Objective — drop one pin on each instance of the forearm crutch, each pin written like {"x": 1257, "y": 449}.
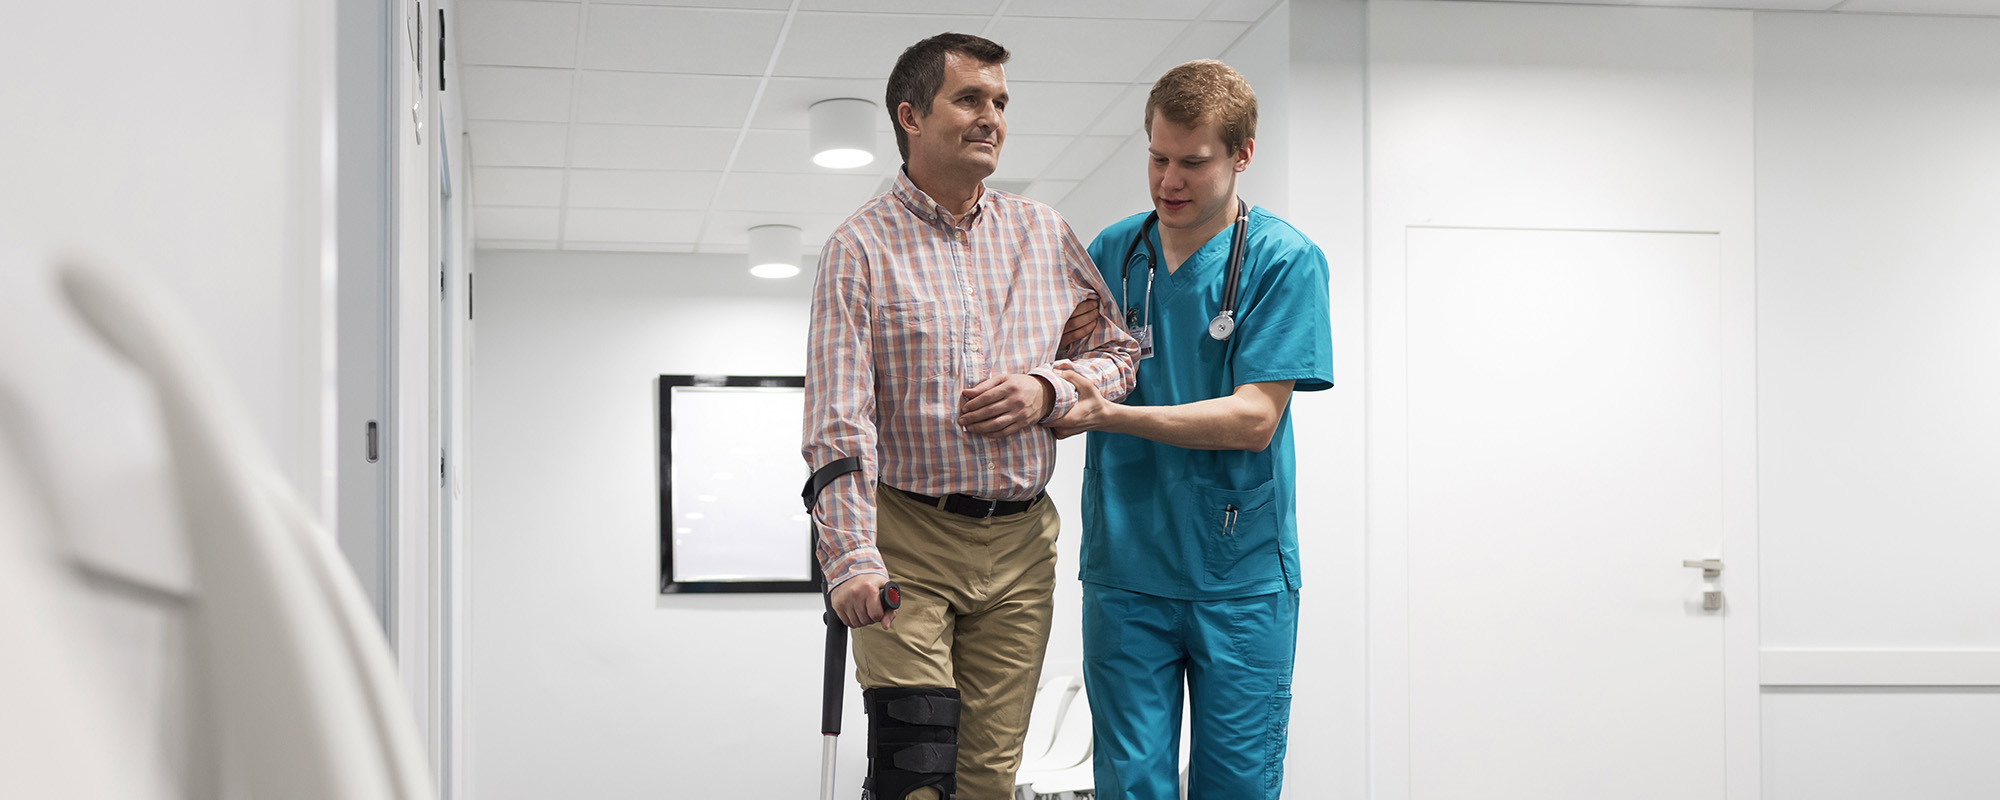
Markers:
{"x": 833, "y": 691}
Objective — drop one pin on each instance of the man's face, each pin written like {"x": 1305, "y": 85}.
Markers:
{"x": 1191, "y": 174}
{"x": 967, "y": 123}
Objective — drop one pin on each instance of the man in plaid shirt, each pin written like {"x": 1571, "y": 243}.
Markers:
{"x": 935, "y": 326}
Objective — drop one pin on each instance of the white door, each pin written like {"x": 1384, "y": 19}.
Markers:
{"x": 1565, "y": 455}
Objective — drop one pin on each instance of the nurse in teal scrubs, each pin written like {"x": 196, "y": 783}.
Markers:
{"x": 1190, "y": 559}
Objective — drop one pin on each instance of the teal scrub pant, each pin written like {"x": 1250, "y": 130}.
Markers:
{"x": 1235, "y": 659}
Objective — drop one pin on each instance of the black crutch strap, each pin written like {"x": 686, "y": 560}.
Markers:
{"x": 824, "y": 476}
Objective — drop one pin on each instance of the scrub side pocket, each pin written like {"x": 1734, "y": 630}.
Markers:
{"x": 1239, "y": 536}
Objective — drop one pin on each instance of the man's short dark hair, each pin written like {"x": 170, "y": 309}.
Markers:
{"x": 919, "y": 74}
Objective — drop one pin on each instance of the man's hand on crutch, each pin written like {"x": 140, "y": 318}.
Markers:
{"x": 865, "y": 600}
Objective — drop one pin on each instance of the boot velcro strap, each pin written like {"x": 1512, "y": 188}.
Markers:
{"x": 930, "y": 758}
{"x": 924, "y": 710}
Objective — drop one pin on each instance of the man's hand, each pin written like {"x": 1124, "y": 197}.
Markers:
{"x": 1080, "y": 322}
{"x": 1091, "y": 410}
{"x": 858, "y": 603}
{"x": 1005, "y": 404}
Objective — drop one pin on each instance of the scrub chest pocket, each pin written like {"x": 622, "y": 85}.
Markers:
{"x": 1239, "y": 538}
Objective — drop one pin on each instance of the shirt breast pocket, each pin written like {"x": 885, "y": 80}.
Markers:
{"x": 912, "y": 341}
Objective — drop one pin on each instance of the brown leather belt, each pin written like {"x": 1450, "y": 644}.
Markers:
{"x": 974, "y": 507}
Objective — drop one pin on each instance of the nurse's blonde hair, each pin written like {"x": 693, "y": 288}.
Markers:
{"x": 1204, "y": 90}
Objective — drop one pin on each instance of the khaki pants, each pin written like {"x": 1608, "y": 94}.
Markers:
{"x": 975, "y": 616}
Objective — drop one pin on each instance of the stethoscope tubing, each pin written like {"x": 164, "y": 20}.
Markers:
{"x": 1225, "y": 321}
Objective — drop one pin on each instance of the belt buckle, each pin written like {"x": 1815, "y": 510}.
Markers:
{"x": 992, "y": 506}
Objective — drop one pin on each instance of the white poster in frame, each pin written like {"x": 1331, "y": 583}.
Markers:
{"x": 730, "y": 472}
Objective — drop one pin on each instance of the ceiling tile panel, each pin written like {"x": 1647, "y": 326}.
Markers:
{"x": 517, "y": 244}
{"x": 629, "y": 247}
{"x": 1083, "y": 157}
{"x": 1124, "y": 115}
{"x": 1050, "y": 192}
{"x": 628, "y": 225}
{"x": 516, "y": 93}
{"x": 1023, "y": 157}
{"x": 516, "y": 33}
{"x": 859, "y": 45}
{"x": 730, "y": 230}
{"x": 905, "y": 6}
{"x": 513, "y": 186}
{"x": 538, "y": 224}
{"x": 1980, "y": 8}
{"x": 1113, "y": 51}
{"x": 1768, "y": 5}
{"x": 652, "y": 98}
{"x": 669, "y": 191}
{"x": 702, "y": 41}
{"x": 797, "y": 193}
{"x": 789, "y": 151}
{"x": 1202, "y": 40}
{"x": 518, "y": 144}
{"x": 1052, "y": 109}
{"x": 1241, "y": 10}
{"x": 1108, "y": 9}
{"x": 768, "y": 5}
{"x": 650, "y": 147}
{"x": 786, "y": 100}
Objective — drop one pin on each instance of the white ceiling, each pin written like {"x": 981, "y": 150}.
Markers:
{"x": 676, "y": 125}
{"x": 664, "y": 125}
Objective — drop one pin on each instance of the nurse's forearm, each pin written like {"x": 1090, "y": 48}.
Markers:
{"x": 1245, "y": 420}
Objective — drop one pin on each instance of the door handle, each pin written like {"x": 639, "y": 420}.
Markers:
{"x": 1711, "y": 576}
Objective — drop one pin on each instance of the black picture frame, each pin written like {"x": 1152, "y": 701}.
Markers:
{"x": 664, "y": 402}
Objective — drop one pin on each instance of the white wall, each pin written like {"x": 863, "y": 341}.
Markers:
{"x": 1878, "y": 183}
{"x": 183, "y": 142}
{"x": 585, "y": 681}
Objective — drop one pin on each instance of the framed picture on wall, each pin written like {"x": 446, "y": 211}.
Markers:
{"x": 730, "y": 472}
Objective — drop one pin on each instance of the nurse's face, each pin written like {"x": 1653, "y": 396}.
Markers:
{"x": 1193, "y": 175}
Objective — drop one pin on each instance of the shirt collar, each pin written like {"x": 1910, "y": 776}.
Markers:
{"x": 924, "y": 207}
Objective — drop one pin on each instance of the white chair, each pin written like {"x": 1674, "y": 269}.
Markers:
{"x": 305, "y": 690}
{"x": 56, "y": 709}
{"x": 1069, "y": 747}
{"x": 1081, "y": 780}
{"x": 1050, "y": 698}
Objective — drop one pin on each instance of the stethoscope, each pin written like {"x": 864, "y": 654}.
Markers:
{"x": 1224, "y": 322}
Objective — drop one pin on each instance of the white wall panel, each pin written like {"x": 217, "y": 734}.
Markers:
{"x": 1520, "y": 116}
{"x": 1868, "y": 744}
{"x": 1878, "y": 181}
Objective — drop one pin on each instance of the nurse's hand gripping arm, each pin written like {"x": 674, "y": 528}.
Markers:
{"x": 840, "y": 422}
{"x": 1244, "y": 420}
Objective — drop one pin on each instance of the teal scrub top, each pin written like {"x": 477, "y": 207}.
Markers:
{"x": 1207, "y": 524}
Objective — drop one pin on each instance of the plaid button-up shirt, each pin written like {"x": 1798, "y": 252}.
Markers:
{"x": 912, "y": 306}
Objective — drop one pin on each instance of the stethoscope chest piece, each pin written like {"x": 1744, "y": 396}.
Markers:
{"x": 1220, "y": 327}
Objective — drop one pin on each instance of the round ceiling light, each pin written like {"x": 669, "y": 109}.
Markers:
{"x": 843, "y": 133}
{"x": 774, "y": 251}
